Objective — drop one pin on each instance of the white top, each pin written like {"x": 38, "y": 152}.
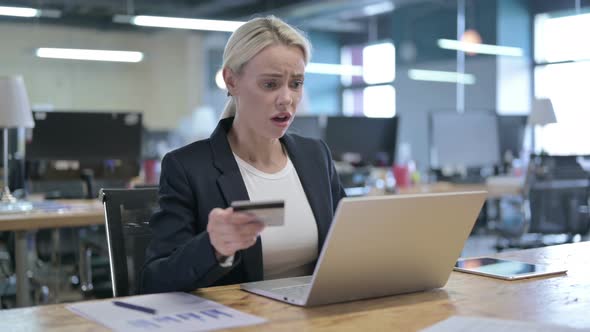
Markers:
{"x": 291, "y": 249}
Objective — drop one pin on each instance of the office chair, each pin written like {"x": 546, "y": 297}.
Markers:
{"x": 558, "y": 196}
{"x": 556, "y": 200}
{"x": 127, "y": 213}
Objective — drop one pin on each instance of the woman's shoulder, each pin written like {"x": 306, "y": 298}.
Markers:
{"x": 306, "y": 144}
{"x": 198, "y": 149}
{"x": 303, "y": 140}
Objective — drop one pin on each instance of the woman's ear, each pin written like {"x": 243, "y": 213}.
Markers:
{"x": 230, "y": 78}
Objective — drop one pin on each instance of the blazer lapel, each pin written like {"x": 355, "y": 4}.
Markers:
{"x": 313, "y": 183}
{"x": 232, "y": 187}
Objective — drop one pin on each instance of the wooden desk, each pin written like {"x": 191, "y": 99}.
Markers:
{"x": 79, "y": 213}
{"x": 440, "y": 187}
{"x": 561, "y": 300}
{"x": 495, "y": 186}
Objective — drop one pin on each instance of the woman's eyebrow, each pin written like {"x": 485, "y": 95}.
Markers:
{"x": 278, "y": 75}
{"x": 271, "y": 75}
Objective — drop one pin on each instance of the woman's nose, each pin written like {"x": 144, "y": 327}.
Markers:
{"x": 285, "y": 98}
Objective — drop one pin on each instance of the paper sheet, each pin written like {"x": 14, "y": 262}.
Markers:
{"x": 176, "y": 312}
{"x": 481, "y": 324}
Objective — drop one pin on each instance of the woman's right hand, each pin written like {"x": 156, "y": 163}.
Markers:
{"x": 231, "y": 231}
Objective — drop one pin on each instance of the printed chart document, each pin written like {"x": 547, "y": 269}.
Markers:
{"x": 176, "y": 312}
{"x": 481, "y": 324}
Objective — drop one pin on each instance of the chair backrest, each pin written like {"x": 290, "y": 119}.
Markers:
{"x": 127, "y": 213}
{"x": 558, "y": 194}
{"x": 558, "y": 207}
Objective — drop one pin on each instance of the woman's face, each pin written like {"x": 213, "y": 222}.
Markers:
{"x": 268, "y": 89}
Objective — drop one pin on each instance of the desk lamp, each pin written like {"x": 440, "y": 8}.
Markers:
{"x": 15, "y": 112}
{"x": 541, "y": 114}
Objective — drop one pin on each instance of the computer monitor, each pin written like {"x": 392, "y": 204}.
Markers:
{"x": 85, "y": 136}
{"x": 101, "y": 149}
{"x": 373, "y": 139}
{"x": 464, "y": 140}
{"x": 511, "y": 129}
{"x": 307, "y": 125}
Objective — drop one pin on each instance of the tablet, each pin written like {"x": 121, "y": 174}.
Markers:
{"x": 505, "y": 269}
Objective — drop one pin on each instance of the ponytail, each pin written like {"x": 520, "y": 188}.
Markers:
{"x": 230, "y": 109}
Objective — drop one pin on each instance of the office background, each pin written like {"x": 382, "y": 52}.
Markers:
{"x": 176, "y": 77}
{"x": 371, "y": 58}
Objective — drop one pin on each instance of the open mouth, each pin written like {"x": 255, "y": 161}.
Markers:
{"x": 282, "y": 118}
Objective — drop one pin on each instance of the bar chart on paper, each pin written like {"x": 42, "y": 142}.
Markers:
{"x": 176, "y": 312}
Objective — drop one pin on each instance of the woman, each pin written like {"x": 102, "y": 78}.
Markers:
{"x": 198, "y": 240}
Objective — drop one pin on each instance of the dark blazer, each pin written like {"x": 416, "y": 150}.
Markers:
{"x": 204, "y": 175}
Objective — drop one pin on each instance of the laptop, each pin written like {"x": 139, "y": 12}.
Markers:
{"x": 383, "y": 245}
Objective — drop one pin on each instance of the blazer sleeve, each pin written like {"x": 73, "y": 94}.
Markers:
{"x": 178, "y": 258}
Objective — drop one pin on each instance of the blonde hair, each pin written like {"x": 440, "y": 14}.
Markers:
{"x": 251, "y": 38}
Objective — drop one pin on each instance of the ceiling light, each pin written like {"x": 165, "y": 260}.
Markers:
{"x": 471, "y": 36}
{"x": 178, "y": 23}
{"x": 19, "y": 11}
{"x": 441, "y": 76}
{"x": 467, "y": 47}
{"x": 333, "y": 69}
{"x": 378, "y": 8}
{"x": 93, "y": 55}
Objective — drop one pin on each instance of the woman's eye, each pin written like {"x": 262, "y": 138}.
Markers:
{"x": 296, "y": 84}
{"x": 269, "y": 85}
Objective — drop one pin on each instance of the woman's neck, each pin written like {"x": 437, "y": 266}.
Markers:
{"x": 263, "y": 153}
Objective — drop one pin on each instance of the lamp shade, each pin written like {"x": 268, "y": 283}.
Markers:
{"x": 15, "y": 110}
{"x": 542, "y": 112}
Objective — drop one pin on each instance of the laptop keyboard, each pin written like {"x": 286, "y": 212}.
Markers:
{"x": 296, "y": 292}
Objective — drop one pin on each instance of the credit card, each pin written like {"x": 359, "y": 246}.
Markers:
{"x": 271, "y": 213}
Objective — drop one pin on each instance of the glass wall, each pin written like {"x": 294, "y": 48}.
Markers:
{"x": 562, "y": 74}
{"x": 368, "y": 90}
